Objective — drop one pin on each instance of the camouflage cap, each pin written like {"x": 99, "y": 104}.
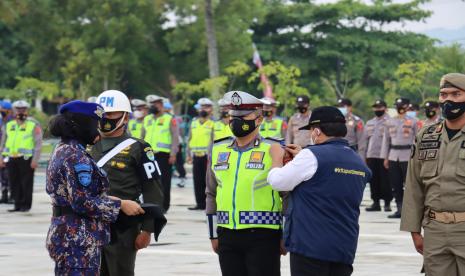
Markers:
{"x": 456, "y": 80}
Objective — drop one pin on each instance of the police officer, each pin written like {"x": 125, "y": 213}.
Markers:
{"x": 326, "y": 183}
{"x": 6, "y": 114}
{"x": 198, "y": 143}
{"x": 82, "y": 210}
{"x": 132, "y": 172}
{"x": 222, "y": 129}
{"x": 432, "y": 113}
{"x": 273, "y": 126}
{"x": 243, "y": 211}
{"x": 298, "y": 120}
{"x": 434, "y": 195}
{"x": 162, "y": 133}
{"x": 399, "y": 134}
{"x": 412, "y": 111}
{"x": 136, "y": 125}
{"x": 21, "y": 144}
{"x": 353, "y": 122}
{"x": 370, "y": 150}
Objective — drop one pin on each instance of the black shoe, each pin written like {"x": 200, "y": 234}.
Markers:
{"x": 373, "y": 208}
{"x": 195, "y": 208}
{"x": 182, "y": 183}
{"x": 387, "y": 208}
{"x": 24, "y": 209}
{"x": 14, "y": 210}
{"x": 396, "y": 215}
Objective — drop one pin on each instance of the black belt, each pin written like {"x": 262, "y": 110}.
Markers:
{"x": 401, "y": 147}
{"x": 63, "y": 210}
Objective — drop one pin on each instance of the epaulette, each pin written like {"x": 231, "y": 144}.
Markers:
{"x": 222, "y": 139}
{"x": 274, "y": 140}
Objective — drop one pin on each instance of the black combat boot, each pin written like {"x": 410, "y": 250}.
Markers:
{"x": 375, "y": 207}
{"x": 4, "y": 198}
{"x": 387, "y": 206}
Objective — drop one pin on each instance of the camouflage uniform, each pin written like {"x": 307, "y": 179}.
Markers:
{"x": 75, "y": 240}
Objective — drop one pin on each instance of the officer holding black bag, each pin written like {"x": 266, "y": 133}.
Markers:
{"x": 133, "y": 172}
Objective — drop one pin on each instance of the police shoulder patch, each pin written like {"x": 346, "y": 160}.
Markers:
{"x": 84, "y": 173}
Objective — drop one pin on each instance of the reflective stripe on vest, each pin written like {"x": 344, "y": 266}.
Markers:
{"x": 221, "y": 130}
{"x": 158, "y": 132}
{"x": 201, "y": 135}
{"x": 272, "y": 128}
{"x": 244, "y": 198}
{"x": 20, "y": 139}
{"x": 135, "y": 128}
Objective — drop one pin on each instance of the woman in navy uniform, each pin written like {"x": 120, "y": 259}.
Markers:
{"x": 82, "y": 211}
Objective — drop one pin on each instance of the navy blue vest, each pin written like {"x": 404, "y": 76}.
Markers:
{"x": 322, "y": 216}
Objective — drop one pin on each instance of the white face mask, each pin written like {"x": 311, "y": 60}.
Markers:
{"x": 313, "y": 140}
{"x": 343, "y": 110}
{"x": 138, "y": 114}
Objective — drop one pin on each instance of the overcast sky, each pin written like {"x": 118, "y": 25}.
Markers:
{"x": 447, "y": 14}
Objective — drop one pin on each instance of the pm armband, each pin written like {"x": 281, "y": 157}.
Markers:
{"x": 211, "y": 224}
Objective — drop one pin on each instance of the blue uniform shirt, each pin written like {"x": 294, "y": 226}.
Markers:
{"x": 73, "y": 179}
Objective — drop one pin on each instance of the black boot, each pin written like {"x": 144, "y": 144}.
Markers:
{"x": 387, "y": 206}
{"x": 375, "y": 207}
{"x": 4, "y": 197}
{"x": 398, "y": 213}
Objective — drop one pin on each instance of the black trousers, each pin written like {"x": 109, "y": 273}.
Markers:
{"x": 180, "y": 163}
{"x": 21, "y": 177}
{"x": 199, "y": 167}
{"x": 397, "y": 174}
{"x": 304, "y": 266}
{"x": 4, "y": 179}
{"x": 249, "y": 252}
{"x": 166, "y": 173}
{"x": 380, "y": 187}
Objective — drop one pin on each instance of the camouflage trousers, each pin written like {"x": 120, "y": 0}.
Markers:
{"x": 66, "y": 271}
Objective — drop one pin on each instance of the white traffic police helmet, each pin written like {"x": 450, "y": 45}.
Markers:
{"x": 113, "y": 101}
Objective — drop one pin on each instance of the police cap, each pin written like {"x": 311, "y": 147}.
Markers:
{"x": 138, "y": 103}
{"x": 92, "y": 110}
{"x": 456, "y": 80}
{"x": 379, "y": 103}
{"x": 302, "y": 100}
{"x": 20, "y": 104}
{"x": 344, "y": 102}
{"x": 402, "y": 102}
{"x": 325, "y": 114}
{"x": 243, "y": 103}
{"x": 431, "y": 104}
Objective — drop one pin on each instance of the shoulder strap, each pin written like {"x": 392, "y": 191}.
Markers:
{"x": 126, "y": 143}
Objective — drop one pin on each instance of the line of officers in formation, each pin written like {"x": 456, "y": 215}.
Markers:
{"x": 249, "y": 179}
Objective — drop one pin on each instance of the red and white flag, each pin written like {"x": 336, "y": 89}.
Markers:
{"x": 267, "y": 91}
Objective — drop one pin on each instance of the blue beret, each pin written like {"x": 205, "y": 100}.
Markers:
{"x": 92, "y": 110}
{"x": 6, "y": 105}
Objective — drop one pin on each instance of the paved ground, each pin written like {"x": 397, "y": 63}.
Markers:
{"x": 184, "y": 248}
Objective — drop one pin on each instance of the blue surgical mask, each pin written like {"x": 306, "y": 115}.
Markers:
{"x": 343, "y": 110}
{"x": 412, "y": 114}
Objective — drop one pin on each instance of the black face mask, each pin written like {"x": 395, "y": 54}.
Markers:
{"x": 241, "y": 127}
{"x": 379, "y": 113}
{"x": 401, "y": 110}
{"x": 3, "y": 114}
{"x": 302, "y": 109}
{"x": 430, "y": 113}
{"x": 154, "y": 110}
{"x": 267, "y": 113}
{"x": 224, "y": 114}
{"x": 452, "y": 110}
{"x": 21, "y": 117}
{"x": 203, "y": 113}
{"x": 107, "y": 125}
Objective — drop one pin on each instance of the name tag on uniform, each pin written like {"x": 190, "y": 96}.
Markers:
{"x": 256, "y": 161}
